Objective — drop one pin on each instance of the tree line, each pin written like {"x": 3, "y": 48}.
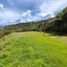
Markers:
{"x": 57, "y": 25}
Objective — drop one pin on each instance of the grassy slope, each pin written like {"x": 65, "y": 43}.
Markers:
{"x": 32, "y": 49}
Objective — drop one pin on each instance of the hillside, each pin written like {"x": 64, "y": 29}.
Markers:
{"x": 56, "y": 25}
{"x": 59, "y": 25}
{"x": 33, "y": 49}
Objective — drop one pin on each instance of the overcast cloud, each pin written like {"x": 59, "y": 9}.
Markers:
{"x": 29, "y": 10}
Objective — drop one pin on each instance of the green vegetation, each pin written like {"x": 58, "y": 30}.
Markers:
{"x": 59, "y": 25}
{"x": 33, "y": 49}
{"x": 56, "y": 25}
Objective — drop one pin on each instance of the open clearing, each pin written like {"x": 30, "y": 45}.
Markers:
{"x": 33, "y": 49}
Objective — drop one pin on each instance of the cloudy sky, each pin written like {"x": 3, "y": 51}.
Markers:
{"x": 12, "y": 11}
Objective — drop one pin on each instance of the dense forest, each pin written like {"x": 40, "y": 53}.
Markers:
{"x": 57, "y": 25}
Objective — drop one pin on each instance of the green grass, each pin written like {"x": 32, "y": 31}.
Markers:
{"x": 32, "y": 49}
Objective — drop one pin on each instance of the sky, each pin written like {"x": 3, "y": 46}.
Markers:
{"x": 18, "y": 11}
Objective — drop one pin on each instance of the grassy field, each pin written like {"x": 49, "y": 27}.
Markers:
{"x": 33, "y": 49}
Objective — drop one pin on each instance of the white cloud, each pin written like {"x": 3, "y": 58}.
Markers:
{"x": 47, "y": 9}
{"x": 8, "y": 16}
{"x": 53, "y": 6}
{"x": 26, "y": 16}
{"x": 43, "y": 14}
{"x": 1, "y": 5}
{"x": 27, "y": 13}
